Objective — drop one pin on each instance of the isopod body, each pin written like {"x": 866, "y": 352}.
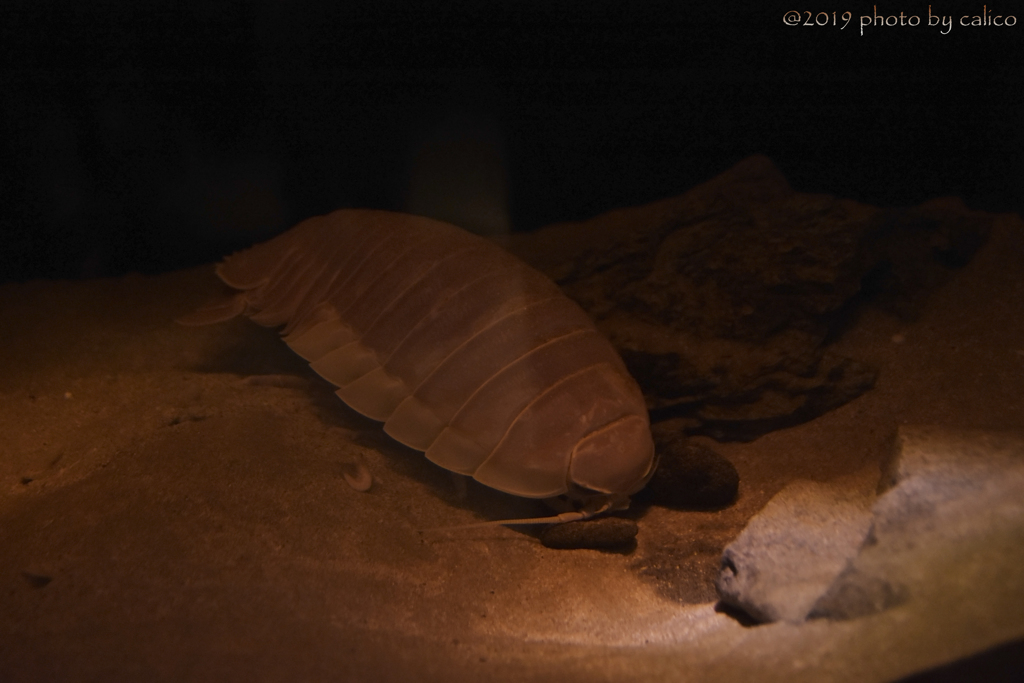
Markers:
{"x": 462, "y": 350}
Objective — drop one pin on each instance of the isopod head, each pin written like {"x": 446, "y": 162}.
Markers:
{"x": 617, "y": 459}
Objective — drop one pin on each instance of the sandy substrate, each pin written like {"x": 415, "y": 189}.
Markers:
{"x": 173, "y": 507}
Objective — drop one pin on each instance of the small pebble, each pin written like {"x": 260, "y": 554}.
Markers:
{"x": 36, "y": 580}
{"x": 691, "y": 477}
{"x": 357, "y": 476}
{"x": 603, "y": 532}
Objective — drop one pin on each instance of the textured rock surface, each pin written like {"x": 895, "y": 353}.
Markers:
{"x": 824, "y": 551}
{"x": 600, "y": 533}
{"x": 949, "y": 497}
{"x": 721, "y": 300}
{"x": 689, "y": 476}
{"x": 793, "y": 550}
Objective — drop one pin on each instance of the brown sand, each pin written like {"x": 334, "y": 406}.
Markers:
{"x": 165, "y": 516}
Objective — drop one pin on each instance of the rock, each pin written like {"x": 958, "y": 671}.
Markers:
{"x": 792, "y": 551}
{"x": 690, "y": 476}
{"x": 943, "y": 494}
{"x": 721, "y": 300}
{"x": 600, "y": 533}
{"x": 940, "y": 463}
{"x": 856, "y": 593}
{"x": 951, "y": 505}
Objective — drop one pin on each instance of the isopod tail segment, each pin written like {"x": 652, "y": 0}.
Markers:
{"x": 463, "y": 351}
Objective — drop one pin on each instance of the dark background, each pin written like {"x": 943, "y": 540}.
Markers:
{"x": 154, "y": 136}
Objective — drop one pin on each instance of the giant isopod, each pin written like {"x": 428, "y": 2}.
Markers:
{"x": 462, "y": 351}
